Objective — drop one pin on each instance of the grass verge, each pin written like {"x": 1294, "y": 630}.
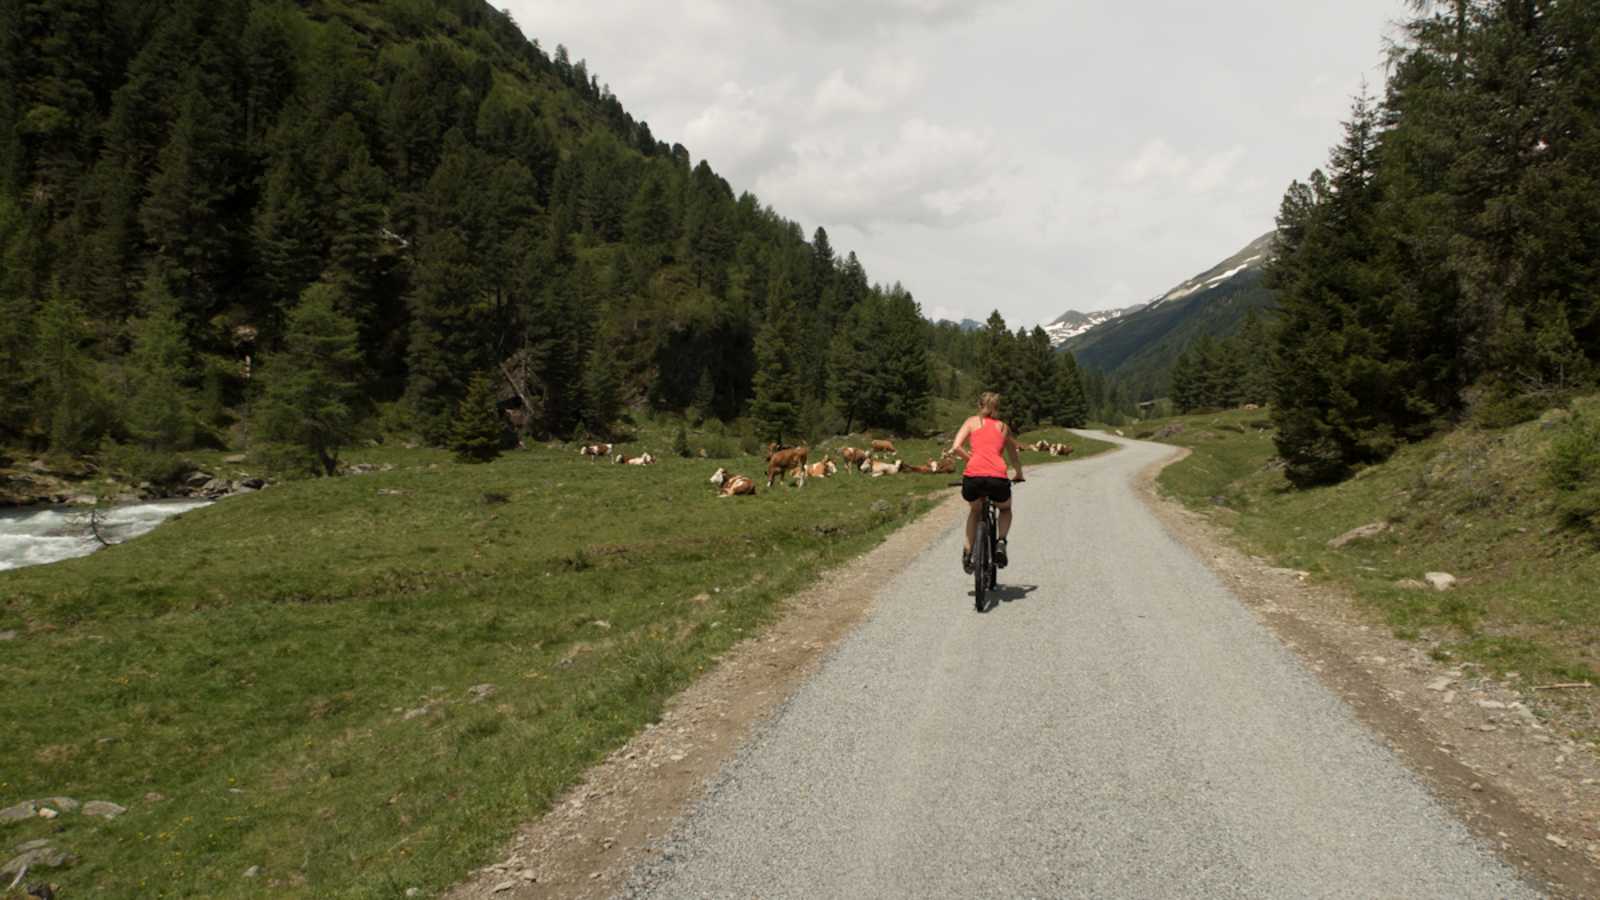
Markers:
{"x": 1473, "y": 503}
{"x": 362, "y": 685}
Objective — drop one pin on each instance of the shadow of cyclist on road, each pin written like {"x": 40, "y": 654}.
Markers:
{"x": 1009, "y": 592}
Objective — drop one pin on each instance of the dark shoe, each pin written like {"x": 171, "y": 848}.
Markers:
{"x": 1000, "y": 553}
{"x": 966, "y": 561}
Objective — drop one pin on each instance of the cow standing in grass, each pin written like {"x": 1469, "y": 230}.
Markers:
{"x": 781, "y": 462}
{"x": 853, "y": 457}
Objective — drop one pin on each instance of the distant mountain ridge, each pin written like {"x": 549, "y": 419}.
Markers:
{"x": 1072, "y": 323}
{"x": 1141, "y": 345}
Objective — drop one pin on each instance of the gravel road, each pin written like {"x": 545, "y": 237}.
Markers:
{"x": 1120, "y": 727}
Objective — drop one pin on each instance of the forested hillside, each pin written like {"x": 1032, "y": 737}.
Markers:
{"x": 273, "y": 223}
{"x": 1193, "y": 328}
{"x": 1447, "y": 263}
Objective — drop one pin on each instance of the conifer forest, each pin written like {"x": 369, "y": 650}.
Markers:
{"x": 283, "y": 225}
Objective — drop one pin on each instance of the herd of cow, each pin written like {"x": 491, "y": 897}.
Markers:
{"x": 786, "y": 462}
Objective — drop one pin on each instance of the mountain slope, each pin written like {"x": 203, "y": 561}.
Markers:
{"x": 1141, "y": 345}
{"x": 1072, "y": 323}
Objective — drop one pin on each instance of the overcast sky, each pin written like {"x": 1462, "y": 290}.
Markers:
{"x": 1031, "y": 156}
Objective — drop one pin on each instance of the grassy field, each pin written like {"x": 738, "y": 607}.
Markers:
{"x": 363, "y": 684}
{"x": 1472, "y": 503}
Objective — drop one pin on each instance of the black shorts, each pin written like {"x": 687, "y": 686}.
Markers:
{"x": 996, "y": 489}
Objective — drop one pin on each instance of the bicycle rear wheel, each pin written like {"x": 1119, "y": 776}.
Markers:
{"x": 980, "y": 565}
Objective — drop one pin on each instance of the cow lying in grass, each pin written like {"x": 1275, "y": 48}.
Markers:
{"x": 877, "y": 468}
{"x": 732, "y": 485}
{"x": 645, "y": 460}
{"x": 883, "y": 446}
{"x": 781, "y": 462}
{"x": 822, "y": 469}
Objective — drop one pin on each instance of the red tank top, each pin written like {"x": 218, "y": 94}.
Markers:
{"x": 987, "y": 441}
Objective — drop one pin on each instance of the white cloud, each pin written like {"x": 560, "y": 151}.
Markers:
{"x": 1156, "y": 159}
{"x": 884, "y": 84}
{"x": 922, "y": 174}
{"x": 1214, "y": 172}
{"x": 1030, "y": 155}
{"x": 741, "y": 129}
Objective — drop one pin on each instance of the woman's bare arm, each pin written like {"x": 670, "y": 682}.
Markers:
{"x": 961, "y": 438}
{"x": 1015, "y": 452}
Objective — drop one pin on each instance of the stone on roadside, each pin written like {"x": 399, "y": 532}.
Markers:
{"x": 235, "y": 458}
{"x": 19, "y": 812}
{"x": 252, "y": 872}
{"x": 104, "y": 809}
{"x": 1369, "y": 530}
{"x": 65, "y": 804}
{"x": 10, "y": 634}
{"x": 198, "y": 479}
{"x": 1557, "y": 840}
{"x": 1441, "y": 683}
{"x": 880, "y": 507}
{"x": 481, "y": 692}
{"x": 503, "y": 886}
{"x": 1440, "y": 581}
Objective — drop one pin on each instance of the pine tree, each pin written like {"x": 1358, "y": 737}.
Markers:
{"x": 476, "y": 430}
{"x": 705, "y": 396}
{"x": 777, "y": 404}
{"x": 310, "y": 392}
{"x": 160, "y": 414}
{"x": 1072, "y": 407}
{"x": 680, "y": 443}
{"x": 602, "y": 389}
{"x": 67, "y": 404}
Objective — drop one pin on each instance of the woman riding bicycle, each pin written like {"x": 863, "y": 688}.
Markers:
{"x": 985, "y": 474}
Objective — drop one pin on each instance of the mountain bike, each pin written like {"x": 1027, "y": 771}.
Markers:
{"x": 985, "y": 571}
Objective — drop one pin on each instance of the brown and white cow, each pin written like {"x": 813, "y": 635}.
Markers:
{"x": 595, "y": 450}
{"x": 1061, "y": 449}
{"x": 645, "y": 460}
{"x": 883, "y": 446}
{"x": 928, "y": 469}
{"x": 877, "y": 468}
{"x": 853, "y": 457}
{"x": 781, "y": 462}
{"x": 822, "y": 469}
{"x": 732, "y": 485}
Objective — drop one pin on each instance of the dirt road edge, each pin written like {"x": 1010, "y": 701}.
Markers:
{"x": 1514, "y": 783}
{"x": 595, "y": 834}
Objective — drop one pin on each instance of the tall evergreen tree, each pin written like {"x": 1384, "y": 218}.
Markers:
{"x": 477, "y": 428}
{"x": 777, "y": 404}
{"x": 310, "y": 392}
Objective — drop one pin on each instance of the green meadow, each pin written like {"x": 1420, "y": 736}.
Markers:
{"x": 364, "y": 684}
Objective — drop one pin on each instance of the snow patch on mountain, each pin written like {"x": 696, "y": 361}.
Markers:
{"x": 1073, "y": 323}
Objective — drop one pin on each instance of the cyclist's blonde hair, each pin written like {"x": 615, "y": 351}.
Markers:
{"x": 989, "y": 404}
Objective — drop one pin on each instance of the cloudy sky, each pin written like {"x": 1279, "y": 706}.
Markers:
{"x": 1031, "y": 156}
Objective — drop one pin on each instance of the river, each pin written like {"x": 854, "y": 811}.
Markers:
{"x": 36, "y": 535}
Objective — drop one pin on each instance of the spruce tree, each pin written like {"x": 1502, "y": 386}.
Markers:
{"x": 67, "y": 401}
{"x": 602, "y": 389}
{"x": 160, "y": 414}
{"x": 777, "y": 403}
{"x": 310, "y": 391}
{"x": 1072, "y": 407}
{"x": 477, "y": 429}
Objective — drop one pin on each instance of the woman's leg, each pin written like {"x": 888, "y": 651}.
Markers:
{"x": 1005, "y": 521}
{"x": 973, "y": 511}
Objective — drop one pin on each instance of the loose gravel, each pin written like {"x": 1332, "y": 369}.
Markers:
{"x": 1119, "y": 726}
